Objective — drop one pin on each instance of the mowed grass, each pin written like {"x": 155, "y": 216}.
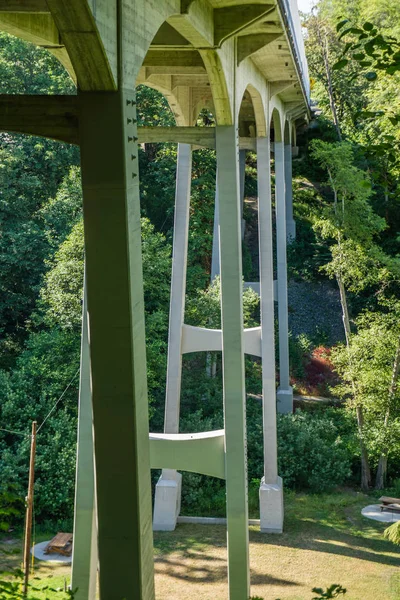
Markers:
{"x": 326, "y": 540}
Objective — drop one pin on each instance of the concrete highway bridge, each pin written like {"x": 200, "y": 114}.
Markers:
{"x": 245, "y": 62}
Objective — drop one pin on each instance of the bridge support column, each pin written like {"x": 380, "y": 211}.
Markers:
{"x": 285, "y": 391}
{"x": 290, "y": 222}
{"x": 215, "y": 266}
{"x": 168, "y": 489}
{"x": 84, "y": 558}
{"x": 271, "y": 492}
{"x": 111, "y": 203}
{"x": 233, "y": 361}
{"x": 215, "y": 260}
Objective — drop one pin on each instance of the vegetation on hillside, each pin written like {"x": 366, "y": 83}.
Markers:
{"x": 346, "y": 193}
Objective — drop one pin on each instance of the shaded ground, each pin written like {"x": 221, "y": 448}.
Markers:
{"x": 326, "y": 540}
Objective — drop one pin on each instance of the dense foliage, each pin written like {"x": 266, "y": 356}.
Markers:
{"x": 347, "y": 212}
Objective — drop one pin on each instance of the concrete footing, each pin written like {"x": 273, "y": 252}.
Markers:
{"x": 285, "y": 400}
{"x": 167, "y": 502}
{"x": 271, "y": 506}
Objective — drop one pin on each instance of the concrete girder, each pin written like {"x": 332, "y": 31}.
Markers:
{"x": 24, "y": 6}
{"x": 189, "y": 81}
{"x": 168, "y": 59}
{"x": 250, "y": 44}
{"x": 276, "y": 87}
{"x": 39, "y": 29}
{"x": 219, "y": 87}
{"x": 229, "y": 21}
{"x": 198, "y": 136}
{"x": 55, "y": 117}
{"x": 196, "y": 24}
{"x": 168, "y": 35}
{"x": 79, "y": 32}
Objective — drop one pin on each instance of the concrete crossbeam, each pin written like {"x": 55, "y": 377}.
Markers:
{"x": 201, "y": 339}
{"x": 55, "y": 117}
{"x": 198, "y": 136}
{"x": 196, "y": 452}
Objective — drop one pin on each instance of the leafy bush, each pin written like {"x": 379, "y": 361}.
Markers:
{"x": 312, "y": 454}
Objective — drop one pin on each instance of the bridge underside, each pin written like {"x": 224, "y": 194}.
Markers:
{"x": 244, "y": 61}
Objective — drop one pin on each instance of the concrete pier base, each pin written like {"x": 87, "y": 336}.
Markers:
{"x": 284, "y": 399}
{"x": 271, "y": 506}
{"x": 167, "y": 502}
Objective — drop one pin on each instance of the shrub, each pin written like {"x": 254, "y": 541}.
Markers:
{"x": 312, "y": 454}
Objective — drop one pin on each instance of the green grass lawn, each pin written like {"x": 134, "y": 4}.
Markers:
{"x": 326, "y": 540}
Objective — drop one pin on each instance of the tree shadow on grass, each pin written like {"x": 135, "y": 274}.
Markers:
{"x": 327, "y": 539}
{"x": 196, "y": 567}
{"x": 307, "y": 536}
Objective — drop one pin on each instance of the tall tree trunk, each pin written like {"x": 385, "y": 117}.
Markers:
{"x": 325, "y": 53}
{"x": 383, "y": 460}
{"x": 323, "y": 42}
{"x": 345, "y": 310}
{"x": 365, "y": 469}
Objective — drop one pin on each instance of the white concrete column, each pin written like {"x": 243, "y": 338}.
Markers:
{"x": 233, "y": 361}
{"x": 111, "y": 208}
{"x": 242, "y": 171}
{"x": 215, "y": 260}
{"x": 290, "y": 222}
{"x": 285, "y": 391}
{"x": 168, "y": 489}
{"x": 271, "y": 493}
{"x": 215, "y": 263}
{"x": 85, "y": 556}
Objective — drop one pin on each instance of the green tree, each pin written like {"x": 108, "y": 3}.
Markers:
{"x": 369, "y": 369}
{"x": 351, "y": 224}
{"x": 31, "y": 170}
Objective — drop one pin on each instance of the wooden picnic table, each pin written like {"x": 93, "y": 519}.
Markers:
{"x": 390, "y": 503}
{"x": 60, "y": 544}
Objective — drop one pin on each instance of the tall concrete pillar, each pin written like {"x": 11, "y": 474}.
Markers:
{"x": 290, "y": 222}
{"x": 271, "y": 492}
{"x": 84, "y": 557}
{"x": 168, "y": 489}
{"x": 111, "y": 206}
{"x": 233, "y": 361}
{"x": 215, "y": 261}
{"x": 285, "y": 391}
{"x": 215, "y": 266}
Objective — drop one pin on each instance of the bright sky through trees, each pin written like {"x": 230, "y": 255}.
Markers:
{"x": 305, "y": 5}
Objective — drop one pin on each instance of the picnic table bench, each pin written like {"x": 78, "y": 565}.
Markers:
{"x": 60, "y": 544}
{"x": 389, "y": 503}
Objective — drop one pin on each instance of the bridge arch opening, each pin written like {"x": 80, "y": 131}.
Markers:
{"x": 277, "y": 132}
